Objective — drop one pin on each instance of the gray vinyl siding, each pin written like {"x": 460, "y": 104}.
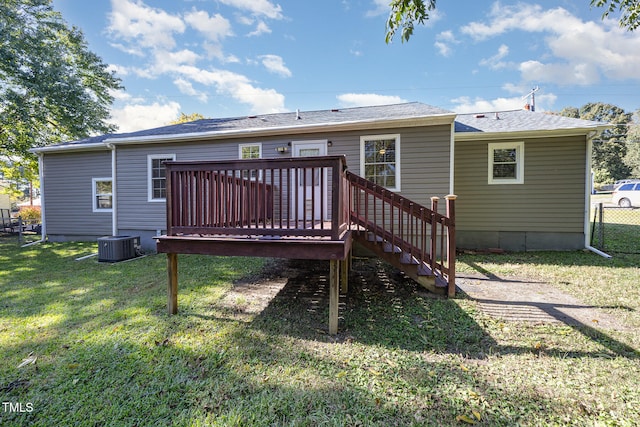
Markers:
{"x": 67, "y": 193}
{"x": 425, "y": 163}
{"x": 551, "y": 200}
{"x": 424, "y": 166}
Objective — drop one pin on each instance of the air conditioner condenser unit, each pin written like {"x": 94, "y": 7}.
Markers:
{"x": 117, "y": 248}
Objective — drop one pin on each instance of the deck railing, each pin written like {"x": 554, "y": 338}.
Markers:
{"x": 293, "y": 197}
{"x": 298, "y": 197}
{"x": 424, "y": 236}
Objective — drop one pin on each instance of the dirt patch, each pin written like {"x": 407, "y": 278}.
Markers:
{"x": 306, "y": 283}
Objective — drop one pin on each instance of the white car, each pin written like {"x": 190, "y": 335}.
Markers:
{"x": 627, "y": 195}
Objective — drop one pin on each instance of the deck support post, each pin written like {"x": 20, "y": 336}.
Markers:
{"x": 344, "y": 275}
{"x": 172, "y": 284}
{"x": 451, "y": 244}
{"x": 334, "y": 284}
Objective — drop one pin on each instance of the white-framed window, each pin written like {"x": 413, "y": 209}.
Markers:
{"x": 250, "y": 151}
{"x": 380, "y": 160}
{"x": 157, "y": 179}
{"x": 506, "y": 163}
{"x": 102, "y": 194}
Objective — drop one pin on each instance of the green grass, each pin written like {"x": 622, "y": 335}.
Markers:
{"x": 621, "y": 227}
{"x": 108, "y": 354}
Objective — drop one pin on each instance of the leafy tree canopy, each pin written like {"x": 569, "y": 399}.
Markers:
{"x": 185, "y": 118}
{"x": 52, "y": 88}
{"x": 406, "y": 13}
{"x": 629, "y": 11}
{"x": 610, "y": 147}
{"x": 632, "y": 159}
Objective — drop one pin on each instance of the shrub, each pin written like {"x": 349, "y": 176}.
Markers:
{"x": 30, "y": 213}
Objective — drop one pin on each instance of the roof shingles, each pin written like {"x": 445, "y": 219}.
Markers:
{"x": 500, "y": 122}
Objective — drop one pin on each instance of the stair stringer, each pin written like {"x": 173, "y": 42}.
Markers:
{"x": 421, "y": 273}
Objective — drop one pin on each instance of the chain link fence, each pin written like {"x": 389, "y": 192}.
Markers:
{"x": 615, "y": 229}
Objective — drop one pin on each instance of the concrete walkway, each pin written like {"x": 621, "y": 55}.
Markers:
{"x": 537, "y": 302}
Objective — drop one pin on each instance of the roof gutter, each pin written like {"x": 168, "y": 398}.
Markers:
{"x": 96, "y": 146}
{"x": 510, "y": 135}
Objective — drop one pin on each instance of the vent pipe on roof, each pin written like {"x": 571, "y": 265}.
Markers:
{"x": 532, "y": 106}
{"x": 297, "y": 114}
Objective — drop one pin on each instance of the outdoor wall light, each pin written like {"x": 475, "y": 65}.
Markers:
{"x": 282, "y": 149}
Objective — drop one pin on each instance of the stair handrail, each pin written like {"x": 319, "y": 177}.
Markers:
{"x": 407, "y": 225}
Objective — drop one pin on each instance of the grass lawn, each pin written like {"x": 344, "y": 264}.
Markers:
{"x": 108, "y": 354}
{"x": 621, "y": 228}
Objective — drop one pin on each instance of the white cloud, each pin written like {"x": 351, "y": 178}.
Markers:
{"x": 443, "y": 43}
{"x": 185, "y": 86}
{"x": 257, "y": 7}
{"x": 118, "y": 70}
{"x": 580, "y": 52}
{"x": 581, "y": 73}
{"x": 214, "y": 27}
{"x": 184, "y": 56}
{"x": 238, "y": 87}
{"x": 245, "y": 20}
{"x": 524, "y": 17}
{"x": 367, "y": 99}
{"x": 153, "y": 33}
{"x": 261, "y": 28}
{"x": 123, "y": 96}
{"x": 214, "y": 50}
{"x": 380, "y": 7}
{"x": 133, "y": 117}
{"x": 142, "y": 25}
{"x": 275, "y": 64}
{"x": 466, "y": 104}
{"x": 131, "y": 50}
{"x": 495, "y": 62}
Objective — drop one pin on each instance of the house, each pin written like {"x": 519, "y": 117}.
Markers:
{"x": 521, "y": 177}
{"x": 309, "y": 184}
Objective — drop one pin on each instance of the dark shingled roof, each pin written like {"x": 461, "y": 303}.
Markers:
{"x": 518, "y": 121}
{"x": 465, "y": 124}
{"x": 281, "y": 120}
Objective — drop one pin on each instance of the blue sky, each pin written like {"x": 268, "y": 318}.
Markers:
{"x": 226, "y": 58}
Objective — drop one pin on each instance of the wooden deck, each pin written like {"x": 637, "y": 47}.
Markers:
{"x": 300, "y": 208}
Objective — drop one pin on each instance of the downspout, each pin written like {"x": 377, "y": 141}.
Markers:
{"x": 114, "y": 197}
{"x": 43, "y": 229}
{"x": 587, "y": 199}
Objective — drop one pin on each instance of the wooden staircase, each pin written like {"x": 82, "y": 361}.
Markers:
{"x": 413, "y": 238}
{"x": 410, "y": 265}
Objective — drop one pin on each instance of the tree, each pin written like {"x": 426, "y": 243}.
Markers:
{"x": 52, "y": 88}
{"x": 186, "y": 118}
{"x": 632, "y": 159}
{"x": 610, "y": 147}
{"x": 629, "y": 11}
{"x": 406, "y": 13}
